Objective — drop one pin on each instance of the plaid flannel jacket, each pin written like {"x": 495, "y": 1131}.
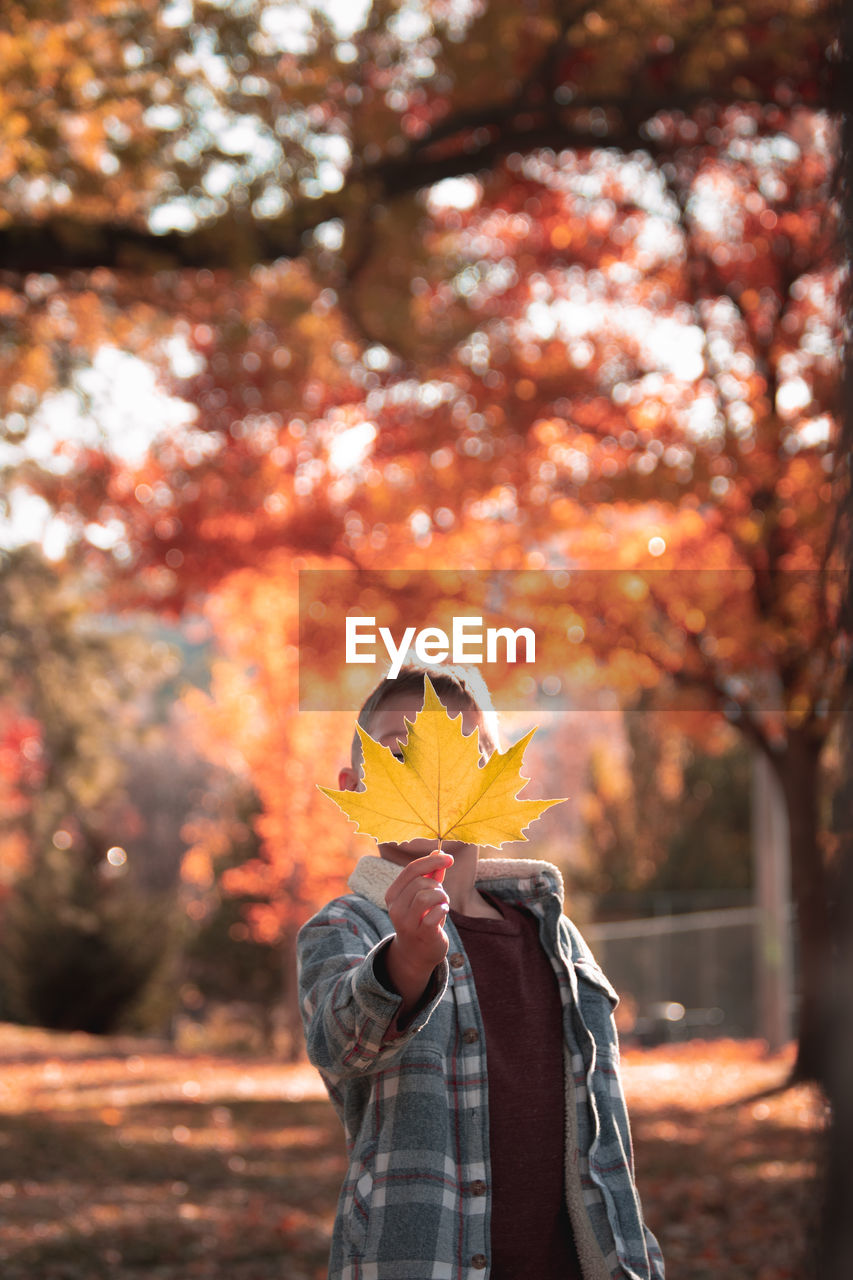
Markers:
{"x": 415, "y": 1203}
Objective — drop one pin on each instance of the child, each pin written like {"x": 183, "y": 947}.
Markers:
{"x": 465, "y": 1035}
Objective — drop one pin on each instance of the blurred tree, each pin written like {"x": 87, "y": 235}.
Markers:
{"x": 223, "y": 962}
{"x": 242, "y": 129}
{"x": 165, "y": 779}
{"x": 82, "y": 950}
{"x": 297, "y": 854}
{"x": 712, "y": 850}
{"x": 599, "y": 140}
{"x": 670, "y": 821}
{"x": 73, "y": 695}
{"x": 79, "y": 945}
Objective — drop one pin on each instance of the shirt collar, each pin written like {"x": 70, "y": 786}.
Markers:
{"x": 518, "y": 879}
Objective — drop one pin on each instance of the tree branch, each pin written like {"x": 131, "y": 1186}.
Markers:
{"x": 466, "y": 142}
{"x": 713, "y": 682}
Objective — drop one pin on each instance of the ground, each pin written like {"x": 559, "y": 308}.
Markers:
{"x": 122, "y": 1160}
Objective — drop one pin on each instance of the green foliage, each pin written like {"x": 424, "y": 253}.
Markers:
{"x": 711, "y": 847}
{"x": 85, "y": 685}
{"x": 82, "y": 942}
{"x": 82, "y": 952}
{"x": 673, "y": 820}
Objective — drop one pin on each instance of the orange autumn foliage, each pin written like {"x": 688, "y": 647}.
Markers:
{"x": 251, "y": 724}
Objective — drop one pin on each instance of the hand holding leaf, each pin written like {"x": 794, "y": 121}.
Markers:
{"x": 439, "y": 789}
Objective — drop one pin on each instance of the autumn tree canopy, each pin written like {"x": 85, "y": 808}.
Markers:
{"x": 267, "y": 188}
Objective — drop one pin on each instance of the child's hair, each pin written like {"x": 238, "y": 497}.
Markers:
{"x": 448, "y": 680}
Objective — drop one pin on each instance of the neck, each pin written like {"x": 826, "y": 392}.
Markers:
{"x": 459, "y": 883}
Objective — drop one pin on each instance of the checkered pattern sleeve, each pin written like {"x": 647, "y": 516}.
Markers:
{"x": 349, "y": 1016}
{"x": 608, "y": 1169}
{"x": 656, "y": 1263}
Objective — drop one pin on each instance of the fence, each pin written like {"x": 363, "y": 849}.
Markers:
{"x": 683, "y": 975}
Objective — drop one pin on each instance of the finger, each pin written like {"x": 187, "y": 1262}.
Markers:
{"x": 436, "y": 915}
{"x": 429, "y": 897}
{"x": 422, "y": 898}
{"x": 425, "y": 866}
{"x": 422, "y": 891}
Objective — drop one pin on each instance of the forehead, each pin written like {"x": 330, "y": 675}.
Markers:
{"x": 387, "y": 721}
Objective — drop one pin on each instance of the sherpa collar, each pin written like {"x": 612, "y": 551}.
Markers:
{"x": 373, "y": 876}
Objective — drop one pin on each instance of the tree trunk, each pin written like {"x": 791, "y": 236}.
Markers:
{"x": 774, "y": 968}
{"x": 798, "y": 771}
{"x": 835, "y": 1246}
{"x": 836, "y": 1237}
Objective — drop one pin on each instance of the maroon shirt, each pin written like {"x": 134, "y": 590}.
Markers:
{"x": 519, "y": 999}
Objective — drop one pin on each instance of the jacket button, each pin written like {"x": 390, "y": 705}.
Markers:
{"x": 477, "y": 1188}
{"x": 457, "y": 960}
{"x": 471, "y": 1035}
{"x": 479, "y": 1261}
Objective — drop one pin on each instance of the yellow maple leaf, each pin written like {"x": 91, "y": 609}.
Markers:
{"x": 439, "y": 788}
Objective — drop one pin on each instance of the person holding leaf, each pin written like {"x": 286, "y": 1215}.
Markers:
{"x": 462, "y": 1028}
